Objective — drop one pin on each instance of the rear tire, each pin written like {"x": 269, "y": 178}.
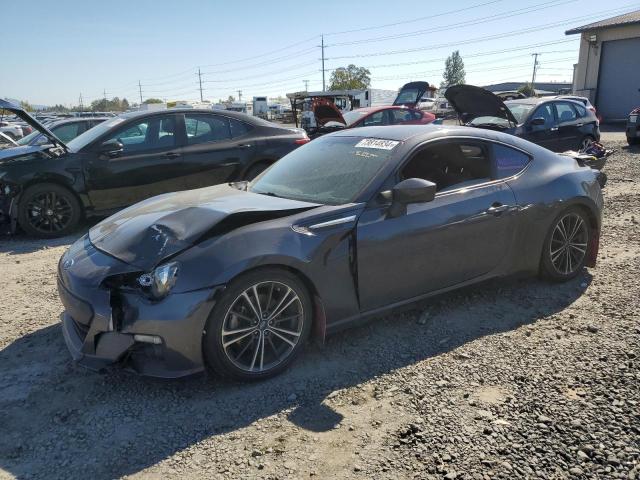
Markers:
{"x": 566, "y": 246}
{"x": 633, "y": 141}
{"x": 259, "y": 325}
{"x": 48, "y": 210}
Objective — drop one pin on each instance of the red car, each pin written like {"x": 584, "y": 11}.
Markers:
{"x": 327, "y": 117}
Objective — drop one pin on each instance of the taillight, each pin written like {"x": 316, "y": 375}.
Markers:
{"x": 302, "y": 141}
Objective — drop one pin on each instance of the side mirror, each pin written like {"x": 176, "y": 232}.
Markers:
{"x": 111, "y": 147}
{"x": 411, "y": 190}
{"x": 538, "y": 121}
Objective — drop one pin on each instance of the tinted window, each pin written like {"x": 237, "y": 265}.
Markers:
{"x": 238, "y": 128}
{"x": 565, "y": 112}
{"x": 148, "y": 134}
{"x": 68, "y": 131}
{"x": 508, "y": 161}
{"x": 374, "y": 119}
{"x": 401, "y": 116}
{"x": 582, "y": 112}
{"x": 519, "y": 110}
{"x": 329, "y": 170}
{"x": 206, "y": 128}
{"x": 450, "y": 165}
{"x": 546, "y": 112}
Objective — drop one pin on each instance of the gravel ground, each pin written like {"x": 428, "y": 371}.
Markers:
{"x": 512, "y": 379}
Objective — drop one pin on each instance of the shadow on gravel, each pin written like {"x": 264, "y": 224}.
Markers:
{"x": 60, "y": 421}
{"x": 20, "y": 243}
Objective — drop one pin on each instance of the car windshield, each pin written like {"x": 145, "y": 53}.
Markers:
{"x": 26, "y": 140}
{"x": 520, "y": 110}
{"x": 489, "y": 120}
{"x": 353, "y": 116}
{"x": 408, "y": 95}
{"x": 90, "y": 135}
{"x": 329, "y": 170}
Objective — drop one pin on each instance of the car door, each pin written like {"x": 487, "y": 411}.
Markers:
{"x": 545, "y": 134}
{"x": 149, "y": 164}
{"x": 569, "y": 133}
{"x": 462, "y": 234}
{"x": 217, "y": 148}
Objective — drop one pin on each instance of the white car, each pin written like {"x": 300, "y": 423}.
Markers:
{"x": 11, "y": 130}
{"x": 426, "y": 104}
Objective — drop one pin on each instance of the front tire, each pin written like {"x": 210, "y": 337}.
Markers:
{"x": 259, "y": 326}
{"x": 586, "y": 142}
{"x": 47, "y": 210}
{"x": 633, "y": 140}
{"x": 566, "y": 246}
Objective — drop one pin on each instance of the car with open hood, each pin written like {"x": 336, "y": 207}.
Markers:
{"x": 47, "y": 188}
{"x": 558, "y": 124}
{"x": 238, "y": 276}
{"x": 327, "y": 117}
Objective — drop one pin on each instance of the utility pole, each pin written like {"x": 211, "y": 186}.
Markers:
{"x": 81, "y": 106}
{"x": 306, "y": 85}
{"x": 535, "y": 68}
{"x": 200, "y": 81}
{"x": 239, "y": 95}
{"x": 322, "y": 47}
{"x": 140, "y": 90}
{"x": 104, "y": 98}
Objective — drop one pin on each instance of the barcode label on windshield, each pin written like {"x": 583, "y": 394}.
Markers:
{"x": 377, "y": 143}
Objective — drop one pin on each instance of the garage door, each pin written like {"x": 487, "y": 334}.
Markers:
{"x": 619, "y": 78}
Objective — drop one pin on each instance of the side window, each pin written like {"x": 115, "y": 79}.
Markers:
{"x": 238, "y": 128}
{"x": 545, "y": 111}
{"x": 508, "y": 161}
{"x": 67, "y": 132}
{"x": 582, "y": 112}
{"x": 202, "y": 128}
{"x": 147, "y": 134}
{"x": 450, "y": 165}
{"x": 400, "y": 116}
{"x": 374, "y": 119}
{"x": 565, "y": 112}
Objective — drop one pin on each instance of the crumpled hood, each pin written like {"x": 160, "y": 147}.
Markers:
{"x": 325, "y": 112}
{"x": 21, "y": 151}
{"x": 150, "y": 231}
{"x": 472, "y": 102}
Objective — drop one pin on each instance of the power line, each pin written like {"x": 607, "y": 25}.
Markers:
{"x": 483, "y": 38}
{"x": 413, "y": 20}
{"x": 466, "y": 23}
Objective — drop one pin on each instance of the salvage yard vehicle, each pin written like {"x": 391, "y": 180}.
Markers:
{"x": 554, "y": 123}
{"x": 323, "y": 115}
{"x": 632, "y": 129}
{"x": 238, "y": 276}
{"x": 11, "y": 130}
{"x": 47, "y": 189}
{"x": 6, "y": 141}
{"x": 66, "y": 130}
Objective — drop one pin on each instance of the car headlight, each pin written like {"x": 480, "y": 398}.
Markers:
{"x": 161, "y": 280}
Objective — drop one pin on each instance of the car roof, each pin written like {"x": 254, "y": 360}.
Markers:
{"x": 380, "y": 107}
{"x": 64, "y": 121}
{"x": 227, "y": 113}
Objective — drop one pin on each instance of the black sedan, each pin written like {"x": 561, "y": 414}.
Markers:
{"x": 238, "y": 276}
{"x": 554, "y": 123}
{"x": 48, "y": 188}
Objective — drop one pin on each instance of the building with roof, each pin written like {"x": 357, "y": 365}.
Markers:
{"x": 608, "y": 68}
{"x": 542, "y": 88}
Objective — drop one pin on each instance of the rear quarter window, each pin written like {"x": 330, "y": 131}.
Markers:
{"x": 508, "y": 161}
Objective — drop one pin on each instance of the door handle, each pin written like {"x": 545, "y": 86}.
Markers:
{"x": 554, "y": 129}
{"x": 245, "y": 145}
{"x": 172, "y": 155}
{"x": 579, "y": 124}
{"x": 497, "y": 209}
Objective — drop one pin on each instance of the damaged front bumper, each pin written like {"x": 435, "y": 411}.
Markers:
{"x": 104, "y": 327}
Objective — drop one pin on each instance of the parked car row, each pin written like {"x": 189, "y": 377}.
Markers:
{"x": 129, "y": 158}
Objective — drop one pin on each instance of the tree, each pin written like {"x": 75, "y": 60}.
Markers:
{"x": 453, "y": 70}
{"x": 528, "y": 90}
{"x": 351, "y": 77}
{"x": 153, "y": 100}
{"x": 231, "y": 99}
{"x": 27, "y": 106}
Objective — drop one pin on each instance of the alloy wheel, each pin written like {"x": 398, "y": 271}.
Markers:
{"x": 263, "y": 326}
{"x": 568, "y": 246}
{"x": 49, "y": 212}
{"x": 586, "y": 143}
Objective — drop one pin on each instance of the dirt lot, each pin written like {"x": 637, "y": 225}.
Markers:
{"x": 513, "y": 379}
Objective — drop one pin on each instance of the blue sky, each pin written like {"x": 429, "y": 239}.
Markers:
{"x": 53, "y": 51}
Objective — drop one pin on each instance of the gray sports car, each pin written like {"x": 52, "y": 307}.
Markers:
{"x": 237, "y": 277}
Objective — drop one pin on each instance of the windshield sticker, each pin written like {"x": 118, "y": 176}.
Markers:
{"x": 377, "y": 143}
{"x": 361, "y": 153}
